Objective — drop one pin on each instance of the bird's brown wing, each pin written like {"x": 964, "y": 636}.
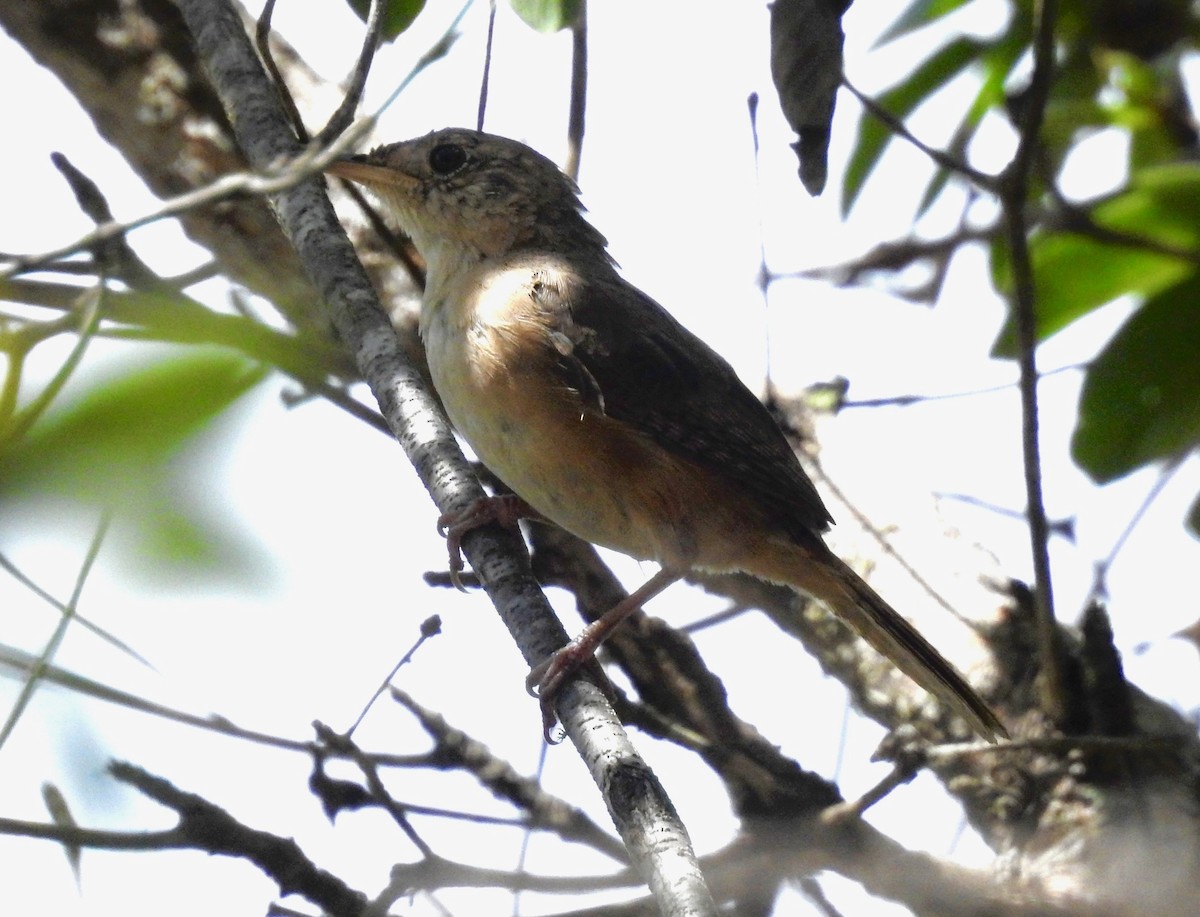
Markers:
{"x": 627, "y": 357}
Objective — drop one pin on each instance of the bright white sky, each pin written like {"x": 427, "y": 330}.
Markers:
{"x": 346, "y": 531}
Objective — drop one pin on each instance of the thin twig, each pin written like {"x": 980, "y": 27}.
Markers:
{"x": 36, "y": 672}
{"x": 816, "y": 895}
{"x": 942, "y": 158}
{"x": 84, "y": 318}
{"x": 262, "y": 36}
{"x": 576, "y": 117}
{"x": 116, "y": 256}
{"x": 344, "y": 115}
{"x": 430, "y": 627}
{"x": 902, "y": 772}
{"x": 1099, "y": 588}
{"x": 279, "y": 178}
{"x": 1014, "y": 191}
{"x": 455, "y": 748}
{"x": 344, "y": 745}
{"x": 436, "y": 52}
{"x": 903, "y": 401}
{"x": 486, "y": 78}
{"x": 207, "y": 827}
{"x": 1063, "y": 528}
{"x": 25, "y": 663}
{"x": 887, "y": 547}
{"x": 86, "y": 623}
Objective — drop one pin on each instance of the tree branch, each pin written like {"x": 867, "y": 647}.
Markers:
{"x": 1014, "y": 193}
{"x": 204, "y": 826}
{"x": 645, "y": 818}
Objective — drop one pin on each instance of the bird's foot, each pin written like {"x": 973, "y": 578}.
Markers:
{"x": 549, "y": 676}
{"x": 505, "y": 509}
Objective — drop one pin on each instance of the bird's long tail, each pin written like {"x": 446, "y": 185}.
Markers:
{"x": 825, "y": 577}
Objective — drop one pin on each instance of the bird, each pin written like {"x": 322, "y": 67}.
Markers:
{"x": 599, "y": 410}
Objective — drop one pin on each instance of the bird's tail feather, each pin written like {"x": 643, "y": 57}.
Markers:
{"x": 818, "y": 572}
{"x": 890, "y": 634}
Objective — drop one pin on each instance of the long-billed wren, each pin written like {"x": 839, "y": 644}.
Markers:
{"x": 598, "y": 409}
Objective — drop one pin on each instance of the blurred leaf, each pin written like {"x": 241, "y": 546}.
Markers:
{"x": 1193, "y": 517}
{"x": 128, "y": 425}
{"x": 873, "y": 136}
{"x": 1141, "y": 398}
{"x": 185, "y": 534}
{"x": 1153, "y": 107}
{"x": 398, "y": 15}
{"x": 996, "y": 65}
{"x": 114, "y": 446}
{"x": 1075, "y": 274}
{"x": 919, "y": 14}
{"x": 173, "y": 318}
{"x": 547, "y": 15}
{"x": 15, "y": 425}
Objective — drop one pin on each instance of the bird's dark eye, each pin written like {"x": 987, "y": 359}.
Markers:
{"x": 446, "y": 158}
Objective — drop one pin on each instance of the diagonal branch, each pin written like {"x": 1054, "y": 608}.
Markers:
{"x": 644, "y": 816}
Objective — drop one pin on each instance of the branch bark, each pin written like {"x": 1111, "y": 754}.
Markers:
{"x": 657, "y": 841}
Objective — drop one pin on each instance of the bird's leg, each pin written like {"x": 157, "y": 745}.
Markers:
{"x": 505, "y": 509}
{"x": 548, "y": 677}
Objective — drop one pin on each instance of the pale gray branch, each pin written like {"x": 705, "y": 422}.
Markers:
{"x": 657, "y": 840}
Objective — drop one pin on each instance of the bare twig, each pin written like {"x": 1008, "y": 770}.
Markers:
{"x": 1014, "y": 191}
{"x": 436, "y": 52}
{"x": 1099, "y": 589}
{"x": 1061, "y": 528}
{"x": 902, "y": 772}
{"x": 86, "y": 623}
{"x": 19, "y": 661}
{"x": 430, "y": 627}
{"x": 887, "y": 548}
{"x": 262, "y": 41}
{"x": 485, "y": 78}
{"x": 277, "y": 177}
{"x": 454, "y": 748}
{"x": 576, "y": 119}
{"x": 116, "y": 256}
{"x": 204, "y": 826}
{"x": 341, "y": 119}
{"x": 344, "y": 746}
{"x": 903, "y": 401}
{"x": 37, "y": 671}
{"x": 942, "y": 158}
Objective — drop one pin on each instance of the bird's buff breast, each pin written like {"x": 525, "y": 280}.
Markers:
{"x": 492, "y": 362}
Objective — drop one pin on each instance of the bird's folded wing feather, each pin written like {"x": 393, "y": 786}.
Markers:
{"x": 628, "y": 358}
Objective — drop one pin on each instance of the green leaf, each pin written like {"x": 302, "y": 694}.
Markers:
{"x": 1193, "y": 517}
{"x": 919, "y": 14}
{"x": 1141, "y": 398}
{"x": 398, "y": 15}
{"x": 547, "y": 15}
{"x": 996, "y": 63}
{"x": 1075, "y": 274}
{"x": 129, "y": 424}
{"x": 118, "y": 444}
{"x": 900, "y": 101}
{"x": 1145, "y": 103}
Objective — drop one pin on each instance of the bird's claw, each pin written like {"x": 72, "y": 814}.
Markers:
{"x": 506, "y": 509}
{"x": 546, "y": 679}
